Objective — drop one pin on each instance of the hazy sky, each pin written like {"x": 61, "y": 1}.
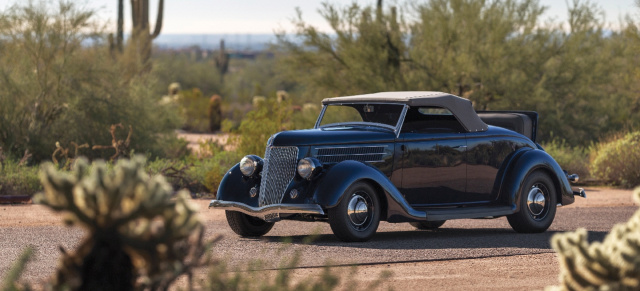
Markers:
{"x": 264, "y": 16}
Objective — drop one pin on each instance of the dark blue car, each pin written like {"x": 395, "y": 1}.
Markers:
{"x": 417, "y": 157}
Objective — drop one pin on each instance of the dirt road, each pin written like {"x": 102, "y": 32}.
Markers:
{"x": 462, "y": 255}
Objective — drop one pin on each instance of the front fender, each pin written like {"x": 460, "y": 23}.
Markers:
{"x": 526, "y": 163}
{"x": 337, "y": 179}
{"x": 235, "y": 187}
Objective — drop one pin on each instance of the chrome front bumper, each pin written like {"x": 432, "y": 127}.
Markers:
{"x": 269, "y": 209}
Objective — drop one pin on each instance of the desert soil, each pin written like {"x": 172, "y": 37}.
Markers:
{"x": 463, "y": 255}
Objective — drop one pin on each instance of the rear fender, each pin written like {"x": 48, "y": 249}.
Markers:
{"x": 337, "y": 179}
{"x": 525, "y": 164}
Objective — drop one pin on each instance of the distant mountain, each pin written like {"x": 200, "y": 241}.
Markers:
{"x": 252, "y": 42}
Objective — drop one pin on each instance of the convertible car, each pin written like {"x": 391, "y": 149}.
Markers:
{"x": 416, "y": 157}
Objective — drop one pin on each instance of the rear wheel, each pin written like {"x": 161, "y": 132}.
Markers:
{"x": 537, "y": 204}
{"x": 426, "y": 225}
{"x": 248, "y": 226}
{"x": 357, "y": 216}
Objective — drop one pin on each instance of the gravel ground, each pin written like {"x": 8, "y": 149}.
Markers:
{"x": 463, "y": 255}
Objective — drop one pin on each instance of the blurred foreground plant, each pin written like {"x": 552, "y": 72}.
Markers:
{"x": 138, "y": 235}
{"x": 613, "y": 264}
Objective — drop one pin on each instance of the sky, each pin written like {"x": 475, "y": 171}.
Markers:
{"x": 266, "y": 16}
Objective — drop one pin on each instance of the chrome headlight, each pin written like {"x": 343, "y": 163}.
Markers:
{"x": 308, "y": 167}
{"x": 250, "y": 165}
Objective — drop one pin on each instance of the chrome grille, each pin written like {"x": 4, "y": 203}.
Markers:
{"x": 339, "y": 154}
{"x": 279, "y": 169}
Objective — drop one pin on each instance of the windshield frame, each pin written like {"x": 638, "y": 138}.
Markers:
{"x": 395, "y": 129}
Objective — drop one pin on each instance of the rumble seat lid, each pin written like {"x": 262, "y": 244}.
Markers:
{"x": 460, "y": 107}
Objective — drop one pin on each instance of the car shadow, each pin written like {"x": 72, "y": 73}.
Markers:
{"x": 444, "y": 238}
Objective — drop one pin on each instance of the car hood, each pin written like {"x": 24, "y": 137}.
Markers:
{"x": 331, "y": 136}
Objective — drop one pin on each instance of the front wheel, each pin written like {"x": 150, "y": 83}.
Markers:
{"x": 247, "y": 226}
{"x": 537, "y": 205}
{"x": 357, "y": 216}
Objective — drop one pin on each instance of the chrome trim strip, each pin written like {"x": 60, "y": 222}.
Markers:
{"x": 269, "y": 209}
{"x": 401, "y": 120}
{"x": 350, "y": 147}
{"x": 324, "y": 107}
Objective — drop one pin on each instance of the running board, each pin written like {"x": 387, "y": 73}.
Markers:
{"x": 434, "y": 214}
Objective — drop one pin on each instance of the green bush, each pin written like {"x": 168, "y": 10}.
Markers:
{"x": 16, "y": 179}
{"x": 60, "y": 84}
{"x": 618, "y": 161}
{"x": 194, "y": 110}
{"x": 574, "y": 160}
{"x": 214, "y": 163}
{"x": 258, "y": 125}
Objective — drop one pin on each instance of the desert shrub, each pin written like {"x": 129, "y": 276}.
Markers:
{"x": 259, "y": 124}
{"x": 214, "y": 163}
{"x": 618, "y": 161}
{"x": 138, "y": 236}
{"x": 194, "y": 110}
{"x": 17, "y": 179}
{"x": 613, "y": 264}
{"x": 573, "y": 159}
{"x": 174, "y": 147}
{"x": 60, "y": 84}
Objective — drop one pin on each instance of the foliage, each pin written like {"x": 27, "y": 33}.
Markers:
{"x": 137, "y": 234}
{"x": 60, "y": 85}
{"x": 613, "y": 264}
{"x": 572, "y": 159}
{"x": 220, "y": 278}
{"x": 194, "y": 110}
{"x": 499, "y": 54}
{"x": 258, "y": 125}
{"x": 618, "y": 161}
{"x": 11, "y": 279}
{"x": 18, "y": 179}
{"x": 214, "y": 163}
{"x": 189, "y": 70}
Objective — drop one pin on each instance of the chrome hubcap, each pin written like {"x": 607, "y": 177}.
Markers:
{"x": 536, "y": 201}
{"x": 358, "y": 210}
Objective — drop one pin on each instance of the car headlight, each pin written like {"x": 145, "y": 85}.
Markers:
{"x": 308, "y": 167}
{"x": 250, "y": 165}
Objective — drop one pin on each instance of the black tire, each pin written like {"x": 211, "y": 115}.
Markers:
{"x": 247, "y": 226}
{"x": 357, "y": 216}
{"x": 427, "y": 225}
{"x": 538, "y": 201}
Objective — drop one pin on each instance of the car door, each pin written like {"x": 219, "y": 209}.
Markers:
{"x": 434, "y": 168}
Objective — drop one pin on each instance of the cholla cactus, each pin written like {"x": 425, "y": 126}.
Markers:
{"x": 138, "y": 235}
{"x": 613, "y": 264}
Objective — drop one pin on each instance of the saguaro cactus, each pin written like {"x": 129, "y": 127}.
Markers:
{"x": 140, "y": 33}
{"x": 613, "y": 264}
{"x": 222, "y": 61}
{"x": 138, "y": 236}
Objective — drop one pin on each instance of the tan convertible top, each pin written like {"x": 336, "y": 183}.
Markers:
{"x": 460, "y": 107}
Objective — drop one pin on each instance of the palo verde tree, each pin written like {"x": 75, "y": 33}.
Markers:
{"x": 499, "y": 54}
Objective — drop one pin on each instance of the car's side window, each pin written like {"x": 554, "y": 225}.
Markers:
{"x": 431, "y": 120}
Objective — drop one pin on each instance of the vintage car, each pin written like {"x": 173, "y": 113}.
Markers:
{"x": 417, "y": 157}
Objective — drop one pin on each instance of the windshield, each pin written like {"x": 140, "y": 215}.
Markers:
{"x": 358, "y": 113}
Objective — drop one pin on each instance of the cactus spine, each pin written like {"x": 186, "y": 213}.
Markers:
{"x": 613, "y": 264}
